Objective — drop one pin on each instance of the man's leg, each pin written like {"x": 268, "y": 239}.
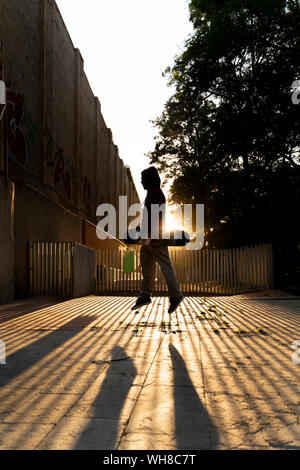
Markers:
{"x": 166, "y": 266}
{"x": 148, "y": 270}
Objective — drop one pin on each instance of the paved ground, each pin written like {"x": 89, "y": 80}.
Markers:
{"x": 90, "y": 374}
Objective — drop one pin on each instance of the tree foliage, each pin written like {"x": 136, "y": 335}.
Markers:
{"x": 229, "y": 135}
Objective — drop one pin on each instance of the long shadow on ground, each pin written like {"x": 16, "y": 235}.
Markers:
{"x": 103, "y": 427}
{"x": 193, "y": 426}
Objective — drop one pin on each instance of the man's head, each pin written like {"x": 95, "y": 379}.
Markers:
{"x": 150, "y": 178}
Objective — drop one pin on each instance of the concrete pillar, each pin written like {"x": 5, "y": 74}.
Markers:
{"x": 105, "y": 162}
{"x": 122, "y": 183}
{"x": 7, "y": 245}
{"x": 131, "y": 193}
{"x": 48, "y": 115}
{"x": 102, "y": 180}
{"x": 127, "y": 186}
{"x": 43, "y": 89}
{"x": 117, "y": 182}
{"x": 78, "y": 166}
{"x": 2, "y": 146}
{"x": 97, "y": 152}
{"x": 121, "y": 177}
{"x": 111, "y": 168}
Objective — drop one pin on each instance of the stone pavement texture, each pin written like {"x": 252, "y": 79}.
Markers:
{"x": 89, "y": 373}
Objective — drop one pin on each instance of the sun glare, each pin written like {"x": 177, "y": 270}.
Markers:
{"x": 171, "y": 222}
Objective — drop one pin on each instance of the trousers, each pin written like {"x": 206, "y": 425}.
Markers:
{"x": 149, "y": 257}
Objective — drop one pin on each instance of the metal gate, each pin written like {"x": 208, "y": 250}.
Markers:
{"x": 230, "y": 271}
{"x": 61, "y": 268}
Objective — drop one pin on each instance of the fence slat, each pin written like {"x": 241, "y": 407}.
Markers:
{"x": 260, "y": 267}
{"x": 235, "y": 280}
{"x": 175, "y": 255}
{"x": 269, "y": 262}
{"x": 67, "y": 276}
{"x": 225, "y": 272}
{"x": 228, "y": 270}
{"x": 222, "y": 286}
{"x": 184, "y": 272}
{"x": 201, "y": 270}
{"x": 112, "y": 269}
{"x": 197, "y": 270}
{"x": 209, "y": 264}
{"x": 243, "y": 268}
{"x": 192, "y": 271}
{"x": 230, "y": 255}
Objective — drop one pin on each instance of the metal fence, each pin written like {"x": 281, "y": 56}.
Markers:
{"x": 61, "y": 269}
{"x": 230, "y": 271}
{"x": 70, "y": 269}
{"x": 51, "y": 268}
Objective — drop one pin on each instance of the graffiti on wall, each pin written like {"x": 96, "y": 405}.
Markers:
{"x": 21, "y": 130}
{"x": 31, "y": 128}
{"x": 62, "y": 172}
{"x": 18, "y": 143}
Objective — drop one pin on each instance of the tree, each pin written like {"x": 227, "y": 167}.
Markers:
{"x": 229, "y": 135}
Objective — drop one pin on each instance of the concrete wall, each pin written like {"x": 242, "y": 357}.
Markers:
{"x": 38, "y": 219}
{"x": 20, "y": 33}
{"x": 62, "y": 142}
{"x": 61, "y": 154}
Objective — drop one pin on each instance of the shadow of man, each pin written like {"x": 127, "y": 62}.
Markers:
{"x": 21, "y": 361}
{"x": 102, "y": 431}
{"x": 193, "y": 426}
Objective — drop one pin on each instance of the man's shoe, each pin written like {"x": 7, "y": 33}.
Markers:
{"x": 174, "y": 304}
{"x": 140, "y": 302}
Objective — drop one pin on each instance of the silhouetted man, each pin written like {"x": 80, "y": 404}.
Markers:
{"x": 154, "y": 251}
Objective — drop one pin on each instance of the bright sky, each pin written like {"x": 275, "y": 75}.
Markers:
{"x": 126, "y": 45}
